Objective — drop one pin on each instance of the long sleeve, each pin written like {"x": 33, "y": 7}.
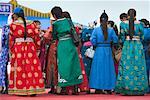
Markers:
{"x": 48, "y": 33}
{"x": 83, "y": 36}
{"x": 11, "y": 39}
{"x": 146, "y": 34}
{"x": 122, "y": 34}
{"x": 114, "y": 36}
{"x": 93, "y": 38}
{"x": 37, "y": 39}
{"x": 141, "y": 32}
{"x": 54, "y": 34}
{"x": 72, "y": 26}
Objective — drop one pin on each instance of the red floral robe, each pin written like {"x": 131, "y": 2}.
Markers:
{"x": 26, "y": 75}
{"x": 84, "y": 86}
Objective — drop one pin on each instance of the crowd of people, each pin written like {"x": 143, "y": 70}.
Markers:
{"x": 71, "y": 59}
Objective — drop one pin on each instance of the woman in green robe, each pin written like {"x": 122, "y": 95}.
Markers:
{"x": 69, "y": 70}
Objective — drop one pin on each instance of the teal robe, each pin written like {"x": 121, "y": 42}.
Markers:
{"x": 132, "y": 76}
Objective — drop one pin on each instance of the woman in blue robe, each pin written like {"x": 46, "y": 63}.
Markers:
{"x": 132, "y": 76}
{"x": 102, "y": 76}
{"x": 4, "y": 59}
{"x": 146, "y": 44}
{"x": 147, "y": 52}
{"x": 86, "y": 34}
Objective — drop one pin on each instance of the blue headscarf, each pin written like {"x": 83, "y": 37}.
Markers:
{"x": 19, "y": 11}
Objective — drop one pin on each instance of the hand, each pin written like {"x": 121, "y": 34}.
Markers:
{"x": 38, "y": 53}
{"x": 148, "y": 51}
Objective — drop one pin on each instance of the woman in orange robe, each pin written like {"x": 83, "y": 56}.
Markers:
{"x": 51, "y": 65}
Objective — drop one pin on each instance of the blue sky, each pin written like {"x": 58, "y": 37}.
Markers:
{"x": 85, "y": 11}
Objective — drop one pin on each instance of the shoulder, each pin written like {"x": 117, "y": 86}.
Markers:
{"x": 20, "y": 22}
{"x": 59, "y": 20}
{"x": 137, "y": 22}
{"x": 97, "y": 28}
{"x": 122, "y": 23}
{"x": 111, "y": 30}
{"x": 147, "y": 30}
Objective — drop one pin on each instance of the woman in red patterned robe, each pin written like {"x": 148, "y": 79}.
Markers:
{"x": 25, "y": 76}
{"x": 84, "y": 86}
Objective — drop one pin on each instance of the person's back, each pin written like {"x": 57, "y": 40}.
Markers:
{"x": 100, "y": 38}
{"x": 102, "y": 76}
{"x": 69, "y": 68}
{"x": 24, "y": 42}
{"x": 132, "y": 76}
{"x": 138, "y": 31}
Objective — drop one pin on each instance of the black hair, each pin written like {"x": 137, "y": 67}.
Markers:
{"x": 104, "y": 20}
{"x": 111, "y": 23}
{"x": 145, "y": 22}
{"x": 114, "y": 26}
{"x": 66, "y": 14}
{"x": 95, "y": 23}
{"x": 57, "y": 12}
{"x": 131, "y": 14}
{"x": 12, "y": 16}
{"x": 37, "y": 21}
{"x": 123, "y": 15}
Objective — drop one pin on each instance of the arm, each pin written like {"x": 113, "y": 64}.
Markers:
{"x": 11, "y": 39}
{"x": 74, "y": 34}
{"x": 54, "y": 34}
{"x": 114, "y": 37}
{"x": 37, "y": 39}
{"x": 141, "y": 32}
{"x": 94, "y": 38}
{"x": 122, "y": 34}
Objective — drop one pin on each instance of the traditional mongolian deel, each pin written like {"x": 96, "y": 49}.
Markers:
{"x": 132, "y": 76}
{"x": 68, "y": 62}
{"x": 102, "y": 74}
{"x": 26, "y": 75}
{"x": 146, "y": 44}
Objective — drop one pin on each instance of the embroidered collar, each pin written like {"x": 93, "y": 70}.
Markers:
{"x": 59, "y": 20}
{"x": 19, "y": 21}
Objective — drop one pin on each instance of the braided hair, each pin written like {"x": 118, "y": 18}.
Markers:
{"x": 104, "y": 20}
{"x": 20, "y": 13}
{"x": 131, "y": 14}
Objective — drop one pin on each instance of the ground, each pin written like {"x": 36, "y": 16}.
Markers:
{"x": 75, "y": 97}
